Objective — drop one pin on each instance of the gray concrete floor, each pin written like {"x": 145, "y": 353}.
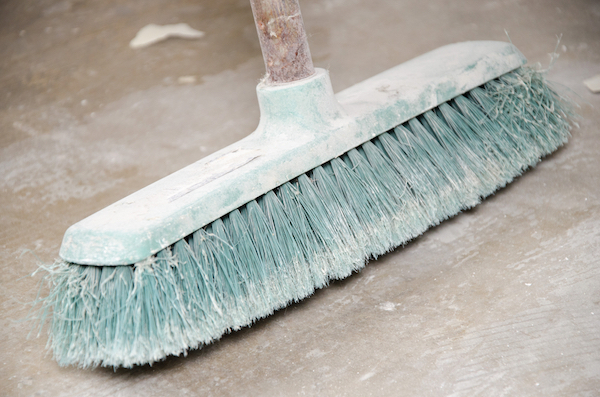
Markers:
{"x": 501, "y": 300}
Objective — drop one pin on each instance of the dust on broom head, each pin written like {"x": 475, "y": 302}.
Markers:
{"x": 321, "y": 226}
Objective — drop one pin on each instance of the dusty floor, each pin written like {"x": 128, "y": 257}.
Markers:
{"x": 501, "y": 300}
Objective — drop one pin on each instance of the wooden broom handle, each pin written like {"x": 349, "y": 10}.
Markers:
{"x": 282, "y": 40}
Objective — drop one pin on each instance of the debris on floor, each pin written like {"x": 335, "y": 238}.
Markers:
{"x": 152, "y": 33}
{"x": 187, "y": 80}
{"x": 593, "y": 84}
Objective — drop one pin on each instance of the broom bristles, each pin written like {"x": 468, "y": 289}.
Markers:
{"x": 321, "y": 226}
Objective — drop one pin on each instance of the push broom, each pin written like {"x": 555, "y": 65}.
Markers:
{"x": 326, "y": 182}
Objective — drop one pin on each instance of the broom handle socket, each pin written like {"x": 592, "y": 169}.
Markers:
{"x": 282, "y": 40}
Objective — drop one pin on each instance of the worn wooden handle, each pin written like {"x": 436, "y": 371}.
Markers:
{"x": 282, "y": 40}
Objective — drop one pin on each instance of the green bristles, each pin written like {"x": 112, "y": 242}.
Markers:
{"x": 323, "y": 225}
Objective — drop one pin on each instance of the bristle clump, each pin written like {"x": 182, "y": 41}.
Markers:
{"x": 321, "y": 226}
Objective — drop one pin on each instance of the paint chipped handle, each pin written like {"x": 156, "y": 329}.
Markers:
{"x": 282, "y": 40}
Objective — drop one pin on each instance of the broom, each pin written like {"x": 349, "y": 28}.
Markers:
{"x": 325, "y": 183}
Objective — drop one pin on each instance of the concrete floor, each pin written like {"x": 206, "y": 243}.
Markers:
{"x": 501, "y": 300}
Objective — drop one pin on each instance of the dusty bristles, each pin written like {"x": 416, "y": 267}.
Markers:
{"x": 323, "y": 225}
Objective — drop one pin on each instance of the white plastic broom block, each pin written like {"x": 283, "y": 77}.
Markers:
{"x": 302, "y": 125}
